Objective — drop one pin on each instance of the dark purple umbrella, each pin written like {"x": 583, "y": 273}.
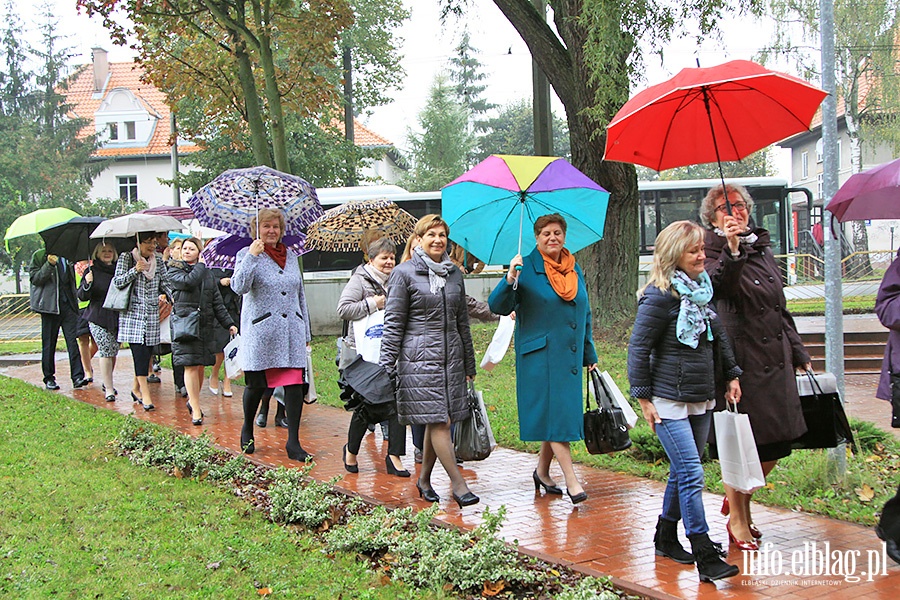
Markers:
{"x": 182, "y": 213}
{"x": 232, "y": 199}
{"x": 872, "y": 194}
{"x": 220, "y": 252}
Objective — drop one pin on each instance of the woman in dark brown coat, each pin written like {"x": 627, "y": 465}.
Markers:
{"x": 750, "y": 302}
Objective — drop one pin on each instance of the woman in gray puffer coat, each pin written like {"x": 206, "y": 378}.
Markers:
{"x": 427, "y": 348}
{"x": 194, "y": 287}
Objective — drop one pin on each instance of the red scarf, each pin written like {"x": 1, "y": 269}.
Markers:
{"x": 278, "y": 253}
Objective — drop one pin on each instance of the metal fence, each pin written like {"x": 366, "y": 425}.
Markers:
{"x": 17, "y": 321}
{"x": 861, "y": 273}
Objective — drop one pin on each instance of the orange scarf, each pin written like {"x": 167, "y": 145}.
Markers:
{"x": 562, "y": 275}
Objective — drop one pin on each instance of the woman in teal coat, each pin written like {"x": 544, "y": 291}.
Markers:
{"x": 553, "y": 343}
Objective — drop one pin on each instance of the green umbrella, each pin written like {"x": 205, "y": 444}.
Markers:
{"x": 36, "y": 221}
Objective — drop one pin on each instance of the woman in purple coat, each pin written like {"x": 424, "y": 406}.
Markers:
{"x": 887, "y": 307}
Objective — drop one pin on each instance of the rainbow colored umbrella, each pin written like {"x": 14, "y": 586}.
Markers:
{"x": 488, "y": 206}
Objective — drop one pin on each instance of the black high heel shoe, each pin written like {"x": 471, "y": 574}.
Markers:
{"x": 550, "y": 489}
{"x": 136, "y": 399}
{"x": 428, "y": 495}
{"x": 148, "y": 407}
{"x": 392, "y": 470}
{"x": 577, "y": 498}
{"x": 350, "y": 468}
{"x": 467, "y": 499}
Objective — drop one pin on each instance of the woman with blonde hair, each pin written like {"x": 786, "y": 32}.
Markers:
{"x": 103, "y": 323}
{"x": 427, "y": 348}
{"x": 676, "y": 342}
{"x": 275, "y": 332}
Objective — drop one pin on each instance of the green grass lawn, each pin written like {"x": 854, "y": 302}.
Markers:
{"x": 79, "y": 521}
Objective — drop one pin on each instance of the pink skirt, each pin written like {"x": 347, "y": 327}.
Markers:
{"x": 284, "y": 376}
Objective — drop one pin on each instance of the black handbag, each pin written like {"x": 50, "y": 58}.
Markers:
{"x": 605, "y": 427}
{"x": 826, "y": 422}
{"x": 471, "y": 438}
{"x": 895, "y": 400}
{"x": 186, "y": 326}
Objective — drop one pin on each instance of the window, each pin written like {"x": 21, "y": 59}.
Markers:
{"x": 804, "y": 165}
{"x": 819, "y": 151}
{"x": 820, "y": 186}
{"x": 113, "y": 131}
{"x": 129, "y": 130}
{"x": 128, "y": 190}
{"x": 839, "y": 153}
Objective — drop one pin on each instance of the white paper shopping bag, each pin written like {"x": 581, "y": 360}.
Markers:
{"x": 738, "y": 457}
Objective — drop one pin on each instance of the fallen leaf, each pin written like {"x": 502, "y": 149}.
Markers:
{"x": 865, "y": 493}
{"x": 770, "y": 486}
{"x": 818, "y": 501}
{"x": 873, "y": 458}
{"x": 555, "y": 572}
{"x": 879, "y": 447}
{"x": 492, "y": 589}
{"x": 178, "y": 473}
{"x": 264, "y": 591}
{"x": 385, "y": 580}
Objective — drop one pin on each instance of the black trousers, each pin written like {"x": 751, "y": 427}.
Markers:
{"x": 359, "y": 427}
{"x": 50, "y": 325}
{"x": 890, "y": 518}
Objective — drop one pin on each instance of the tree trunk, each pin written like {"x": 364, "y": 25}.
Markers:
{"x": 859, "y": 265}
{"x": 273, "y": 100}
{"x": 258, "y": 137}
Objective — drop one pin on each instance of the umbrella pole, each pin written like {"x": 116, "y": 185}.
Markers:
{"x": 521, "y": 222}
{"x": 716, "y": 148}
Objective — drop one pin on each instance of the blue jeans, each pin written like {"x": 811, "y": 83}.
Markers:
{"x": 683, "y": 441}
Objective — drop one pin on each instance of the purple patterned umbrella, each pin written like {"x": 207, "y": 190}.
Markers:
{"x": 229, "y": 201}
{"x": 182, "y": 213}
{"x": 221, "y": 252}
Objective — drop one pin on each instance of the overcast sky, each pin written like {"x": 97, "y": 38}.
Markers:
{"x": 428, "y": 47}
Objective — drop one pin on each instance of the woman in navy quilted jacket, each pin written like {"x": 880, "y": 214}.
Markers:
{"x": 675, "y": 344}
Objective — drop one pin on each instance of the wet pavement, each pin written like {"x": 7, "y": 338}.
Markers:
{"x": 609, "y": 534}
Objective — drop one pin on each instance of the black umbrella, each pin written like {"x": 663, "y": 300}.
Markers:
{"x": 72, "y": 240}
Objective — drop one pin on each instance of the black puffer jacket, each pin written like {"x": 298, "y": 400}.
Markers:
{"x": 95, "y": 292}
{"x": 186, "y": 283}
{"x": 427, "y": 343}
{"x": 660, "y": 365}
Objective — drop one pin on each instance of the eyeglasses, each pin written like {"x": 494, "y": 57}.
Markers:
{"x": 742, "y": 206}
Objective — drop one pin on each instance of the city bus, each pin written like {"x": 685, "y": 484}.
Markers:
{"x": 783, "y": 210}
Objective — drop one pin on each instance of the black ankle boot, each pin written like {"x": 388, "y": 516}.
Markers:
{"x": 263, "y": 412}
{"x": 709, "y": 557}
{"x": 247, "y": 445}
{"x": 667, "y": 544}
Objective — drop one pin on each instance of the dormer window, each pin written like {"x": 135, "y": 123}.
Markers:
{"x": 130, "y": 130}
{"x": 113, "y": 131}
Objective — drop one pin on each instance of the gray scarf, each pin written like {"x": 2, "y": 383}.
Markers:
{"x": 437, "y": 272}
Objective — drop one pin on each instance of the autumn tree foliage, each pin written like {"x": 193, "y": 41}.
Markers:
{"x": 250, "y": 61}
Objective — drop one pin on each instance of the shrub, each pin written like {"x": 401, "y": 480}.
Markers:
{"x": 435, "y": 557}
{"x": 645, "y": 444}
{"x": 298, "y": 499}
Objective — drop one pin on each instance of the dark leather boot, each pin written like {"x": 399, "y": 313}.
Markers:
{"x": 708, "y": 556}
{"x": 667, "y": 544}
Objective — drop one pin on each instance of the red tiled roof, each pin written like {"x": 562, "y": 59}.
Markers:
{"x": 83, "y": 104}
{"x": 80, "y": 96}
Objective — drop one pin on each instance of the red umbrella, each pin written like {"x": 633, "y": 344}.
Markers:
{"x": 713, "y": 114}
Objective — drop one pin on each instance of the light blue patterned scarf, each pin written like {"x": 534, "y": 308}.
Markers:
{"x": 694, "y": 314}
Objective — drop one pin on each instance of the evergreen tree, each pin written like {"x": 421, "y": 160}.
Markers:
{"x": 465, "y": 72}
{"x": 440, "y": 152}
